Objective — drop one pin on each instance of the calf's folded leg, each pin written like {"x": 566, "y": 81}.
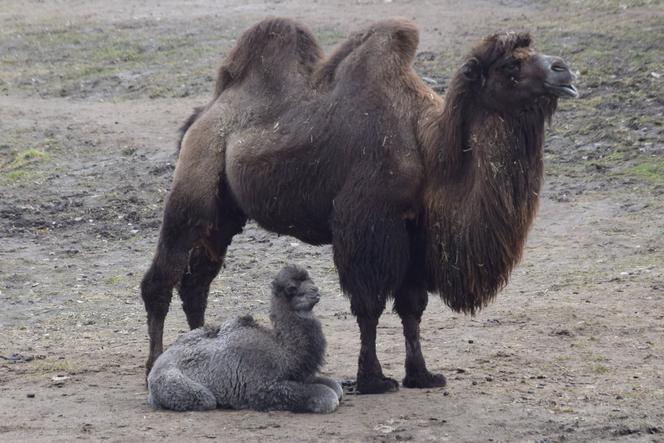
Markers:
{"x": 171, "y": 389}
{"x": 294, "y": 396}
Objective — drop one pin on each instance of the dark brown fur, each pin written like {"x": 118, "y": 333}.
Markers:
{"x": 472, "y": 253}
{"x": 415, "y": 194}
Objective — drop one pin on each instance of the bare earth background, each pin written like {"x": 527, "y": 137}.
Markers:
{"x": 91, "y": 95}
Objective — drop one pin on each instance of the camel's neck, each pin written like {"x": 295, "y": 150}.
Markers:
{"x": 484, "y": 179}
{"x": 301, "y": 337}
{"x": 500, "y": 165}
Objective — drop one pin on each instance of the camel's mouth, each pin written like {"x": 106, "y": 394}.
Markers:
{"x": 306, "y": 302}
{"x": 562, "y": 90}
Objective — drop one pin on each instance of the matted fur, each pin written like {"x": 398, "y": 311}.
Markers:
{"x": 486, "y": 173}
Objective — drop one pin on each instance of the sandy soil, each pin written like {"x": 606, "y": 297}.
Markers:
{"x": 91, "y": 95}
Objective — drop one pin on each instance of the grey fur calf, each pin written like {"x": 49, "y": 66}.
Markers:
{"x": 242, "y": 365}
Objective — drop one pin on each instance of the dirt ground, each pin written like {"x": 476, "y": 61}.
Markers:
{"x": 91, "y": 95}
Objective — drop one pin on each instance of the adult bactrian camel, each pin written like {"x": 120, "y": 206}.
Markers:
{"x": 416, "y": 194}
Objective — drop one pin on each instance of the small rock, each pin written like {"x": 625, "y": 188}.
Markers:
{"x": 384, "y": 429}
{"x": 31, "y": 395}
{"x": 59, "y": 380}
{"x": 427, "y": 56}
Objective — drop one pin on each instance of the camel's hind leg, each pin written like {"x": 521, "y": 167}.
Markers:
{"x": 188, "y": 255}
{"x": 206, "y": 260}
{"x": 171, "y": 389}
{"x": 194, "y": 210}
{"x": 164, "y": 273}
{"x": 203, "y": 267}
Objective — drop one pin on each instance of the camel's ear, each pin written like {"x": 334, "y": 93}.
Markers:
{"x": 523, "y": 40}
{"x": 278, "y": 289}
{"x": 472, "y": 70}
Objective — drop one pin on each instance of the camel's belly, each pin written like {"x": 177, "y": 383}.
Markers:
{"x": 282, "y": 187}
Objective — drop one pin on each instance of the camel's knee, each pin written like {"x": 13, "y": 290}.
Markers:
{"x": 155, "y": 292}
{"x": 166, "y": 270}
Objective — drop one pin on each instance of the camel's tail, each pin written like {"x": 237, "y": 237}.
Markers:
{"x": 187, "y": 124}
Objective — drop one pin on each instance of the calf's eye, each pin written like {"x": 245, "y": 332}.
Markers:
{"x": 512, "y": 67}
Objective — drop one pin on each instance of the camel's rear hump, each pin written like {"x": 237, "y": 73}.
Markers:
{"x": 276, "y": 51}
{"x": 373, "y": 54}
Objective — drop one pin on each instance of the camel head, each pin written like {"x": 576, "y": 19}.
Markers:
{"x": 507, "y": 74}
{"x": 294, "y": 286}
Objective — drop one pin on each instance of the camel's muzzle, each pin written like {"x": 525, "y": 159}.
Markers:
{"x": 559, "y": 77}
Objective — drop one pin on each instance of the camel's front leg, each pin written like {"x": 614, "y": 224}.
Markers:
{"x": 410, "y": 302}
{"x": 370, "y": 378}
{"x": 371, "y": 252}
{"x": 330, "y": 383}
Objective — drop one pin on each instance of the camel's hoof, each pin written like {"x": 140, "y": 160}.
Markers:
{"x": 425, "y": 380}
{"x": 376, "y": 385}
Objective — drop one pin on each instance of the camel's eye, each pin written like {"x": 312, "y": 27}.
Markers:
{"x": 512, "y": 67}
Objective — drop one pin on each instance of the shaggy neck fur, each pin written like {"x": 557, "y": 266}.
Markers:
{"x": 484, "y": 177}
{"x": 301, "y": 336}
